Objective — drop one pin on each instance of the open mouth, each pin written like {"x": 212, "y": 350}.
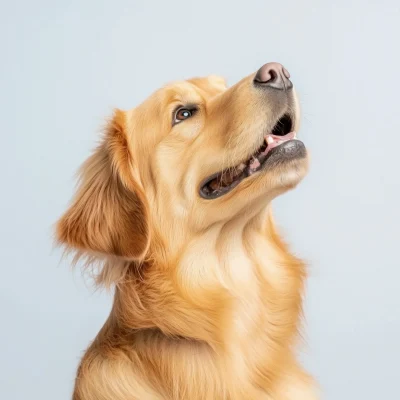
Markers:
{"x": 222, "y": 182}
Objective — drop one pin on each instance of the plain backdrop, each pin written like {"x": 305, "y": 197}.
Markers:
{"x": 65, "y": 64}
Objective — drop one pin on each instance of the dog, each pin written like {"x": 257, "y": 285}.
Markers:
{"x": 174, "y": 208}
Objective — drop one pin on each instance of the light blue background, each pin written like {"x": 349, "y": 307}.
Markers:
{"x": 65, "y": 65}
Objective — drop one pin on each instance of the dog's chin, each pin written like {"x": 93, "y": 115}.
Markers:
{"x": 284, "y": 173}
{"x": 287, "y": 174}
{"x": 287, "y": 165}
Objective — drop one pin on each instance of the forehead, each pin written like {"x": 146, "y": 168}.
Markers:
{"x": 195, "y": 90}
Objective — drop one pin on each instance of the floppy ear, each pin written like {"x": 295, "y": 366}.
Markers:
{"x": 109, "y": 213}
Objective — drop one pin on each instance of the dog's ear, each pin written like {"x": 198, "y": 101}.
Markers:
{"x": 218, "y": 81}
{"x": 109, "y": 213}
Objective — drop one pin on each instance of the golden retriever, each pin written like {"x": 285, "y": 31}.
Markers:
{"x": 174, "y": 206}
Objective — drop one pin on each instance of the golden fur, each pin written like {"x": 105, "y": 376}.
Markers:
{"x": 208, "y": 298}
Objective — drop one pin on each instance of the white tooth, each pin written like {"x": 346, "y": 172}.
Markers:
{"x": 295, "y": 135}
{"x": 270, "y": 139}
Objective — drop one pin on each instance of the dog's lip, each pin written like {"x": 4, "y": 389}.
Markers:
{"x": 222, "y": 191}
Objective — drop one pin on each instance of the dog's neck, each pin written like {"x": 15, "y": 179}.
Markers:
{"x": 249, "y": 288}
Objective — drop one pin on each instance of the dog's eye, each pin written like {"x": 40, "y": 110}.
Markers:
{"x": 182, "y": 114}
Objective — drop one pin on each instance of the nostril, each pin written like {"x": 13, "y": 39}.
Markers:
{"x": 265, "y": 75}
{"x": 273, "y": 74}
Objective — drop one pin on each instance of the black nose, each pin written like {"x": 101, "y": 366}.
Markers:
{"x": 273, "y": 75}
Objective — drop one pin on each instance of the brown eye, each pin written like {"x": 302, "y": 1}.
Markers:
{"x": 182, "y": 114}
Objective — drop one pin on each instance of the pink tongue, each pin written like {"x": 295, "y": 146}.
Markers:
{"x": 274, "y": 140}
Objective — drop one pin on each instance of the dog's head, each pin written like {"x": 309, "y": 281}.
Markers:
{"x": 193, "y": 155}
